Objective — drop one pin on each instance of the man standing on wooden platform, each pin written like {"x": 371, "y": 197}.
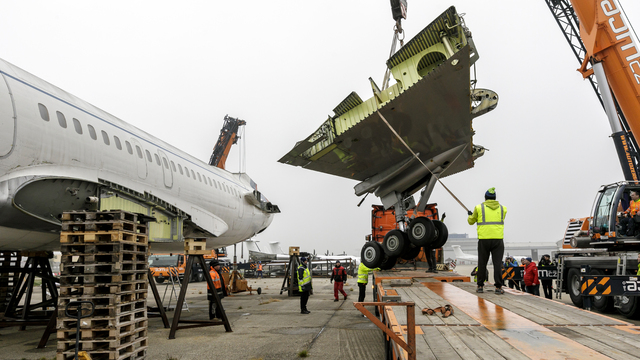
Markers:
{"x": 490, "y": 217}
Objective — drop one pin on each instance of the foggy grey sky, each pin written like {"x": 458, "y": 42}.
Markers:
{"x": 174, "y": 69}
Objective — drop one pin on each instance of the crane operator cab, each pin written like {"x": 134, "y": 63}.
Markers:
{"x": 616, "y": 215}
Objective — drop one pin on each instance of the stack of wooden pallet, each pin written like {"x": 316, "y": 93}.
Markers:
{"x": 105, "y": 261}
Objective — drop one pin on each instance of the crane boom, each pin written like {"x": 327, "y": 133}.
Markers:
{"x": 228, "y": 136}
{"x": 600, "y": 36}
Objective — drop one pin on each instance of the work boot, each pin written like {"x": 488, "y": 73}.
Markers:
{"x": 305, "y": 312}
{"x": 335, "y": 300}
{"x": 480, "y": 290}
{"x": 345, "y": 297}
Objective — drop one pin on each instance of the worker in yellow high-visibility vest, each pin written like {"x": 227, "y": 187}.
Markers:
{"x": 304, "y": 285}
{"x": 489, "y": 216}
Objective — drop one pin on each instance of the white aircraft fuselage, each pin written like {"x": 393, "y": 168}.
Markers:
{"x": 59, "y": 153}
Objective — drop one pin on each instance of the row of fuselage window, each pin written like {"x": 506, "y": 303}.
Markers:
{"x": 62, "y": 120}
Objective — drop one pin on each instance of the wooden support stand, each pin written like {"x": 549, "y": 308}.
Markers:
{"x": 183, "y": 291}
{"x": 290, "y": 282}
{"x": 161, "y": 312}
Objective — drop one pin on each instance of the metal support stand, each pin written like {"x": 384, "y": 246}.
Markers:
{"x": 183, "y": 292}
{"x": 151, "y": 311}
{"x": 174, "y": 277}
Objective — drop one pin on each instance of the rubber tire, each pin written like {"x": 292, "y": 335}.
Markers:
{"x": 603, "y": 304}
{"x": 442, "y": 234}
{"x": 388, "y": 262}
{"x": 394, "y": 242}
{"x": 573, "y": 287}
{"x": 421, "y": 232}
{"x": 410, "y": 252}
{"x": 200, "y": 277}
{"x": 259, "y": 291}
{"x": 159, "y": 281}
{"x": 371, "y": 254}
{"x": 630, "y": 308}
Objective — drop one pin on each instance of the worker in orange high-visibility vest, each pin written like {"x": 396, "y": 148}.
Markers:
{"x": 221, "y": 289}
{"x": 631, "y": 215}
{"x": 260, "y": 269}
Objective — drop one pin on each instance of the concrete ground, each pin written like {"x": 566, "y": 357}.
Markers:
{"x": 266, "y": 326}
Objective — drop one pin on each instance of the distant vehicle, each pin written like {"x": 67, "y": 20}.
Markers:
{"x": 162, "y": 264}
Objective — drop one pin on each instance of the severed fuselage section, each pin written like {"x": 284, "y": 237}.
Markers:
{"x": 430, "y": 108}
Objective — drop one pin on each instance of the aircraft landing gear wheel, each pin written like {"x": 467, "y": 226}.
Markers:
{"x": 603, "y": 304}
{"x": 573, "y": 284}
{"x": 388, "y": 262}
{"x": 421, "y": 232}
{"x": 410, "y": 252}
{"x": 442, "y": 234}
{"x": 371, "y": 254}
{"x": 393, "y": 243}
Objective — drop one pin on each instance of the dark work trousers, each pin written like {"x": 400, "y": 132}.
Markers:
{"x": 495, "y": 248}
{"x": 304, "y": 298}
{"x": 534, "y": 290}
{"x": 431, "y": 258}
{"x": 547, "y": 286}
{"x": 214, "y": 310}
{"x": 514, "y": 284}
{"x": 363, "y": 291}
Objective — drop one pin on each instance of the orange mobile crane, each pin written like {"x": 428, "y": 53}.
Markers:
{"x": 599, "y": 260}
{"x": 228, "y": 136}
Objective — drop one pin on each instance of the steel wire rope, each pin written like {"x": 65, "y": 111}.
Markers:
{"x": 420, "y": 160}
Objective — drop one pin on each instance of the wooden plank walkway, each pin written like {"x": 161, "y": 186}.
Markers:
{"x": 510, "y": 326}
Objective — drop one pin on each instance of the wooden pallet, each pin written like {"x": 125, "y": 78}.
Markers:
{"x": 81, "y": 216}
{"x": 137, "y": 354}
{"x": 103, "y": 288}
{"x": 124, "y": 256}
{"x": 113, "y": 347}
{"x": 105, "y": 322}
{"x": 97, "y": 269}
{"x": 102, "y": 236}
{"x": 110, "y": 225}
{"x": 102, "y": 300}
{"x": 103, "y": 334}
{"x": 114, "y": 310}
{"x": 101, "y": 248}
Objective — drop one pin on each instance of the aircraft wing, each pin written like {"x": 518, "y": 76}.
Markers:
{"x": 430, "y": 107}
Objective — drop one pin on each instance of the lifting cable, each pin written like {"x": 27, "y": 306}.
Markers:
{"x": 420, "y": 160}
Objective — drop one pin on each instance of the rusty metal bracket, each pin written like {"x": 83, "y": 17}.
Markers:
{"x": 409, "y": 347}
